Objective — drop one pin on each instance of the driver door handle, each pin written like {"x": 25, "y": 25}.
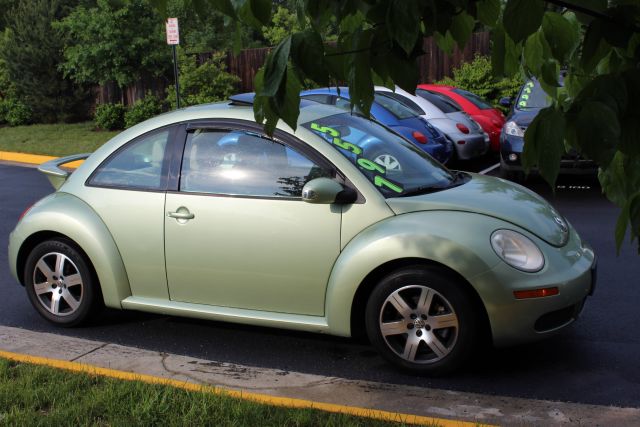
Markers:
{"x": 181, "y": 215}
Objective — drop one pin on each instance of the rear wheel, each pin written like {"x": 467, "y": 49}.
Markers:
{"x": 420, "y": 319}
{"x": 60, "y": 283}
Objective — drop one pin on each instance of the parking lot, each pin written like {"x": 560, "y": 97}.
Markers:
{"x": 595, "y": 361}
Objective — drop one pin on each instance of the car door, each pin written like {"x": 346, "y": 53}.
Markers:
{"x": 237, "y": 233}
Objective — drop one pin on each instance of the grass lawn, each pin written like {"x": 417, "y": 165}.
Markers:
{"x": 44, "y": 396}
{"x": 54, "y": 140}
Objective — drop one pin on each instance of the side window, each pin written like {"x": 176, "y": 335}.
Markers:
{"x": 322, "y": 99}
{"x": 241, "y": 163}
{"x": 141, "y": 164}
{"x": 343, "y": 103}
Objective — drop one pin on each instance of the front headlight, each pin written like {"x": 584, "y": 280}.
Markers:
{"x": 512, "y": 128}
{"x": 517, "y": 250}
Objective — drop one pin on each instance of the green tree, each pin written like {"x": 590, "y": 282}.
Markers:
{"x": 283, "y": 23}
{"x": 202, "y": 83}
{"x": 32, "y": 54}
{"x": 597, "y": 41}
{"x": 477, "y": 77}
{"x": 119, "y": 42}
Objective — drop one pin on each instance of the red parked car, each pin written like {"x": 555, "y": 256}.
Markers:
{"x": 491, "y": 119}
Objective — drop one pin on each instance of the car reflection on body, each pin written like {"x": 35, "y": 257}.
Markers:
{"x": 199, "y": 213}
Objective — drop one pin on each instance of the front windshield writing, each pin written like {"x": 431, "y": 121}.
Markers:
{"x": 392, "y": 164}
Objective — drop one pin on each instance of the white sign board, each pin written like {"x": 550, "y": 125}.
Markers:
{"x": 173, "y": 34}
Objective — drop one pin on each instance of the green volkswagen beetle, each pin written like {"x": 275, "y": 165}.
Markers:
{"x": 341, "y": 227}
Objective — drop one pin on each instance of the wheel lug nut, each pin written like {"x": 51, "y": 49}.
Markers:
{"x": 60, "y": 291}
{"x": 427, "y": 327}
{"x": 419, "y": 333}
{"x": 413, "y": 316}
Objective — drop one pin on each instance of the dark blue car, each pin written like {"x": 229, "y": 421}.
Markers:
{"x": 531, "y": 99}
{"x": 393, "y": 114}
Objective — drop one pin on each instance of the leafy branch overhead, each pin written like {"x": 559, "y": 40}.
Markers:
{"x": 585, "y": 54}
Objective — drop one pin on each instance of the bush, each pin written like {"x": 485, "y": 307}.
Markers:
{"x": 14, "y": 112}
{"x": 201, "y": 84}
{"x": 110, "y": 116}
{"x": 142, "y": 110}
{"x": 477, "y": 77}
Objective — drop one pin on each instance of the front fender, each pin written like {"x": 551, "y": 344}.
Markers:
{"x": 458, "y": 240}
{"x": 68, "y": 215}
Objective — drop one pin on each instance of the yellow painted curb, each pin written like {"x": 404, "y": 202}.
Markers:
{"x": 34, "y": 159}
{"x": 253, "y": 397}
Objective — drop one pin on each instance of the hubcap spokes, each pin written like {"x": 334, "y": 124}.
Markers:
{"x": 419, "y": 324}
{"x": 58, "y": 284}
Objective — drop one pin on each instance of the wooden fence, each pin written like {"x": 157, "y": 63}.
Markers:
{"x": 434, "y": 65}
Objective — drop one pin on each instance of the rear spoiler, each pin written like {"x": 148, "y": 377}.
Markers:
{"x": 56, "y": 175}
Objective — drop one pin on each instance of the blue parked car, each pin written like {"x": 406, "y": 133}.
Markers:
{"x": 395, "y": 115}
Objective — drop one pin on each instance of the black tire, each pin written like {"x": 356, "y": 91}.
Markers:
{"x": 443, "y": 335}
{"x": 63, "y": 274}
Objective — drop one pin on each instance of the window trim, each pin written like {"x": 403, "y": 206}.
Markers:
{"x": 166, "y": 161}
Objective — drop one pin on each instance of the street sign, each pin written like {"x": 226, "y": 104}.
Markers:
{"x": 173, "y": 34}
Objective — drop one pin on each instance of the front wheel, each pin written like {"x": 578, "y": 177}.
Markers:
{"x": 420, "y": 319}
{"x": 60, "y": 283}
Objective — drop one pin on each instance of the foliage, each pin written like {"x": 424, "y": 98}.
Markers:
{"x": 283, "y": 23}
{"x": 114, "y": 41}
{"x": 477, "y": 77}
{"x": 14, "y": 112}
{"x": 200, "y": 84}
{"x": 110, "y": 116}
{"x": 142, "y": 110}
{"x": 598, "y": 41}
{"x": 32, "y": 53}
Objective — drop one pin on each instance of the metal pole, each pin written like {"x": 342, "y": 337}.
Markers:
{"x": 175, "y": 72}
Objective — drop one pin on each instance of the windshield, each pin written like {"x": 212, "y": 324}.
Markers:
{"x": 474, "y": 99}
{"x": 532, "y": 96}
{"x": 395, "y": 166}
{"x": 405, "y": 101}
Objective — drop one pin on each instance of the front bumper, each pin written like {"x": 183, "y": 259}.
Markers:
{"x": 511, "y": 148}
{"x": 572, "y": 269}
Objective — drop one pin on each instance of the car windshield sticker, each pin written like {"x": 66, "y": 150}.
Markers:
{"x": 379, "y": 171}
{"x": 525, "y": 94}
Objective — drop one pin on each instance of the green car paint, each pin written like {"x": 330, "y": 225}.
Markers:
{"x": 302, "y": 267}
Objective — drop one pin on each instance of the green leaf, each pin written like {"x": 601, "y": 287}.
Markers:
{"x": 544, "y": 143}
{"x": 445, "y": 42}
{"x": 488, "y": 11}
{"x": 598, "y": 132}
{"x": 549, "y": 72}
{"x": 461, "y": 28}
{"x": 403, "y": 23}
{"x": 307, "y": 53}
{"x": 223, "y": 6}
{"x": 522, "y": 17}
{"x": 513, "y": 53}
{"x": 358, "y": 72}
{"x": 562, "y": 36}
{"x": 160, "y": 6}
{"x": 498, "y": 51}
{"x": 594, "y": 48}
{"x": 534, "y": 52}
{"x": 275, "y": 67}
{"x": 621, "y": 228}
{"x": 261, "y": 10}
{"x": 287, "y": 102}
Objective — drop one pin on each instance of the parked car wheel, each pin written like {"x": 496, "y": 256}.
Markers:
{"x": 60, "y": 284}
{"x": 420, "y": 319}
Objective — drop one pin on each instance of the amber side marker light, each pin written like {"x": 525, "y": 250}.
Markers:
{"x": 536, "y": 293}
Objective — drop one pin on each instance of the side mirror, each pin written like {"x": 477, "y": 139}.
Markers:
{"x": 505, "y": 102}
{"x": 327, "y": 191}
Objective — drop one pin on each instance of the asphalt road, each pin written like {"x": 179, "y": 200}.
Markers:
{"x": 596, "y": 361}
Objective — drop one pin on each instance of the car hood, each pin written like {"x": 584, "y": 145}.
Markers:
{"x": 496, "y": 198}
{"x": 523, "y": 118}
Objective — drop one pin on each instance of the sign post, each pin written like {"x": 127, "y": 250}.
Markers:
{"x": 173, "y": 39}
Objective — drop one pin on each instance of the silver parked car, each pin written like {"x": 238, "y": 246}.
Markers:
{"x": 466, "y": 134}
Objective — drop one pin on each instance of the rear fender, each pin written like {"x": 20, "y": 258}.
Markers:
{"x": 65, "y": 214}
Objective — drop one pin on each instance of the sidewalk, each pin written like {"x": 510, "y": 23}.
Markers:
{"x": 442, "y": 404}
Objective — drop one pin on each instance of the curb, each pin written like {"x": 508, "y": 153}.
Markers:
{"x": 32, "y": 159}
{"x": 253, "y": 397}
